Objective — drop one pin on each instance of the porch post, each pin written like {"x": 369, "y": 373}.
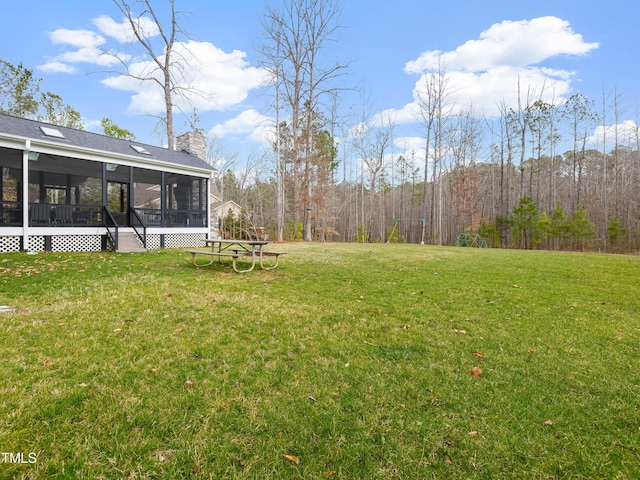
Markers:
{"x": 208, "y": 200}
{"x": 130, "y": 197}
{"x": 104, "y": 185}
{"x": 163, "y": 200}
{"x": 25, "y": 195}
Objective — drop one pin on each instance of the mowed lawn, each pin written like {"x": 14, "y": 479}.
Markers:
{"x": 347, "y": 361}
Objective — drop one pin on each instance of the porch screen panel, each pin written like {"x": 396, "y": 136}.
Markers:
{"x": 64, "y": 191}
{"x": 10, "y": 187}
{"x": 185, "y": 206}
{"x": 147, "y": 195}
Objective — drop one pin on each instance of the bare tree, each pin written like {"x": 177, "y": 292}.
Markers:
{"x": 618, "y": 111}
{"x": 372, "y": 139}
{"x": 168, "y": 63}
{"x": 435, "y": 111}
{"x": 296, "y": 34}
{"x": 283, "y": 56}
{"x": 604, "y": 181}
{"x": 541, "y": 125}
{"x": 523, "y": 118}
{"x": 279, "y": 160}
{"x": 579, "y": 111}
{"x": 464, "y": 185}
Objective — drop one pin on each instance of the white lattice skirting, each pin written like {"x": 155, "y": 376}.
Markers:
{"x": 93, "y": 243}
{"x": 9, "y": 244}
{"x": 180, "y": 240}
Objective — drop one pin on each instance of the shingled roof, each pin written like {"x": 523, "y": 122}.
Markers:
{"x": 35, "y": 131}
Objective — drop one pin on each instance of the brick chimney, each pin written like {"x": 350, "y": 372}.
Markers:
{"x": 193, "y": 143}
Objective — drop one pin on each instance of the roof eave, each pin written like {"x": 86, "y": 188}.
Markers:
{"x": 85, "y": 153}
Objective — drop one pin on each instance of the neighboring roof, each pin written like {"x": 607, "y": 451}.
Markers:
{"x": 220, "y": 204}
{"x": 32, "y": 130}
{"x": 215, "y": 198}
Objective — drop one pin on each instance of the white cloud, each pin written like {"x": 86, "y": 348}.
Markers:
{"x": 627, "y": 133}
{"x": 88, "y": 49}
{"x": 76, "y": 38}
{"x": 123, "y": 32}
{"x": 487, "y": 72}
{"x": 57, "y": 67}
{"x": 384, "y": 119}
{"x": 407, "y": 114}
{"x": 89, "y": 55}
{"x": 518, "y": 44}
{"x": 249, "y": 122}
{"x": 213, "y": 79}
{"x": 411, "y": 146}
{"x": 358, "y": 130}
{"x": 89, "y": 46}
{"x": 486, "y": 91}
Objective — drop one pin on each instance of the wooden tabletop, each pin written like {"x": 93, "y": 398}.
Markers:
{"x": 238, "y": 242}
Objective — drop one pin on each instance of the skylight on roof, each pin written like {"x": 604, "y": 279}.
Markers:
{"x": 51, "y": 132}
{"x": 140, "y": 149}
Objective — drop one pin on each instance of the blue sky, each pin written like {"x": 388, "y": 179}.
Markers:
{"x": 571, "y": 46}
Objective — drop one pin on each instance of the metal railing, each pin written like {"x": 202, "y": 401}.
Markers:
{"x": 185, "y": 218}
{"x": 62, "y": 215}
{"x": 151, "y": 217}
{"x": 109, "y": 223}
{"x": 53, "y": 215}
{"x": 137, "y": 223}
{"x": 11, "y": 213}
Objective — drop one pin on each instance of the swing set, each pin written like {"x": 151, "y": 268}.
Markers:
{"x": 397, "y": 223}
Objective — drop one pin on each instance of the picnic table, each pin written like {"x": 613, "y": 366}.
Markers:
{"x": 234, "y": 249}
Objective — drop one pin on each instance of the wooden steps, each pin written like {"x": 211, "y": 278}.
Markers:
{"x": 128, "y": 243}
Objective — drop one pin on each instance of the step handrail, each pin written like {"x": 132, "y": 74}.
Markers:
{"x": 141, "y": 236}
{"x": 109, "y": 221}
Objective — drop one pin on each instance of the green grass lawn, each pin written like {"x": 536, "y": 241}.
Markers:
{"x": 355, "y": 361}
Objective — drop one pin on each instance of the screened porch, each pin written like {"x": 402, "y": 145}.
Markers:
{"x": 70, "y": 192}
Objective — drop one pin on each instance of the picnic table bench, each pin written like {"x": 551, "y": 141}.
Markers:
{"x": 235, "y": 249}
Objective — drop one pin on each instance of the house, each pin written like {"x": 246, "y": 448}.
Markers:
{"x": 221, "y": 208}
{"x": 69, "y": 190}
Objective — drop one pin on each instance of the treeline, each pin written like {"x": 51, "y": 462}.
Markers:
{"x": 528, "y": 226}
{"x": 515, "y": 193}
{"x": 546, "y": 173}
{"x": 554, "y": 176}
